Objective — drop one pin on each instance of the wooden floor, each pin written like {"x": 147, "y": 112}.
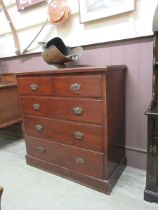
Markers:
{"x": 28, "y": 188}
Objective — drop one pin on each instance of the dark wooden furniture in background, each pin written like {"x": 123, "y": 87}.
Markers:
{"x": 1, "y": 191}
{"x": 9, "y": 105}
{"x": 74, "y": 123}
{"x": 151, "y": 190}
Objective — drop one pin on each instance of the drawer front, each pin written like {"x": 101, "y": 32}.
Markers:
{"x": 35, "y": 86}
{"x": 88, "y": 86}
{"x": 71, "y": 109}
{"x": 77, "y": 134}
{"x": 80, "y": 160}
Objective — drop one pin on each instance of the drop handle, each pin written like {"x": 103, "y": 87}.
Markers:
{"x": 77, "y": 110}
{"x": 41, "y": 149}
{"x": 78, "y": 135}
{"x": 36, "y": 107}
{"x": 153, "y": 149}
{"x": 39, "y": 127}
{"x": 80, "y": 160}
{"x": 75, "y": 87}
{"x": 34, "y": 87}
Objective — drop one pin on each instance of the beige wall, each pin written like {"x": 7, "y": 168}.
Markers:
{"x": 128, "y": 25}
{"x": 137, "y": 54}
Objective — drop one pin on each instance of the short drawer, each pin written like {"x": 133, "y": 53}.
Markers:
{"x": 35, "y": 86}
{"x": 77, "y": 134}
{"x": 86, "y": 110}
{"x": 85, "y": 86}
{"x": 80, "y": 160}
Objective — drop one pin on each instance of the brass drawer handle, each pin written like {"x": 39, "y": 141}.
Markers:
{"x": 153, "y": 149}
{"x": 36, "y": 107}
{"x": 77, "y": 110}
{"x": 41, "y": 149}
{"x": 80, "y": 160}
{"x": 75, "y": 86}
{"x": 34, "y": 87}
{"x": 39, "y": 128}
{"x": 78, "y": 135}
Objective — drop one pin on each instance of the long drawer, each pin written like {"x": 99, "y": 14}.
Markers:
{"x": 77, "y": 134}
{"x": 80, "y": 160}
{"x": 84, "y": 86}
{"x": 64, "y": 108}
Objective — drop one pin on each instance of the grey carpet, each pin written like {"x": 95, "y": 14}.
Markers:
{"x": 28, "y": 188}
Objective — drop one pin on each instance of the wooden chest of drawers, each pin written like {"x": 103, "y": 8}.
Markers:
{"x": 74, "y": 123}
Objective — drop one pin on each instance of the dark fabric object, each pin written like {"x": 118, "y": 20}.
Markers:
{"x": 59, "y": 44}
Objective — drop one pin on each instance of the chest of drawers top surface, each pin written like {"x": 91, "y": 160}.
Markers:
{"x": 86, "y": 69}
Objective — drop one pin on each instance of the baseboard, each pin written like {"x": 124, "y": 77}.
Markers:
{"x": 104, "y": 186}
